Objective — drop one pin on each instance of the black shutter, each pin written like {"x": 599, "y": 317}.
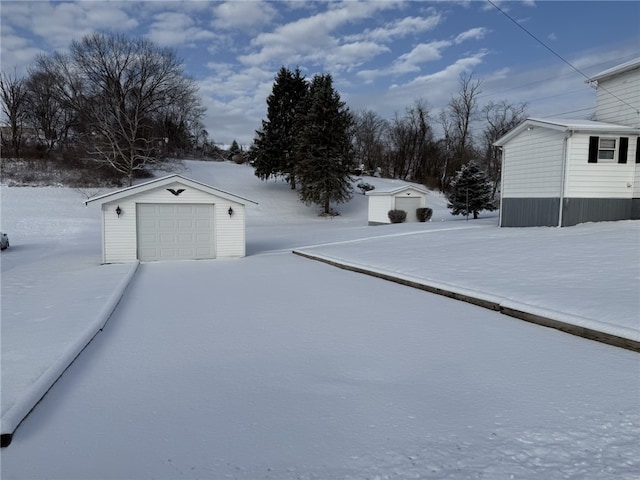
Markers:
{"x": 594, "y": 142}
{"x": 638, "y": 150}
{"x": 622, "y": 151}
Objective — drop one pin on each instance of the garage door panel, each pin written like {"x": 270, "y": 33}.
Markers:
{"x": 177, "y": 231}
{"x": 409, "y": 205}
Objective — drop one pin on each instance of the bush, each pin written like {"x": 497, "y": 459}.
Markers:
{"x": 365, "y": 187}
{"x": 424, "y": 214}
{"x": 397, "y": 216}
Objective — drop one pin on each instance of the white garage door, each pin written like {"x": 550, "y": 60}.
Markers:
{"x": 175, "y": 231}
{"x": 409, "y": 205}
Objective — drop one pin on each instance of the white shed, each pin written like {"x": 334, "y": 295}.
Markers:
{"x": 171, "y": 218}
{"x": 408, "y": 198}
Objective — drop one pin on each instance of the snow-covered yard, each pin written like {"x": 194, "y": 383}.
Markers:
{"x": 274, "y": 366}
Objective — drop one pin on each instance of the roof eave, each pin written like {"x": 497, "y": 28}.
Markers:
{"x": 159, "y": 182}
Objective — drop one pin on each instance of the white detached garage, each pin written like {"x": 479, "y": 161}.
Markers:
{"x": 171, "y": 218}
{"x": 408, "y": 198}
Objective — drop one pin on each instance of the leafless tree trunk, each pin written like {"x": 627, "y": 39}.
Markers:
{"x": 369, "y": 139}
{"x": 500, "y": 117}
{"x": 13, "y": 93}
{"x": 46, "y": 113}
{"x": 457, "y": 120}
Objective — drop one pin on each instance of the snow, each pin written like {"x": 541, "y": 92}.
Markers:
{"x": 275, "y": 366}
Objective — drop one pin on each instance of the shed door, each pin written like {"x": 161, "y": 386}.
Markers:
{"x": 174, "y": 231}
{"x": 409, "y": 205}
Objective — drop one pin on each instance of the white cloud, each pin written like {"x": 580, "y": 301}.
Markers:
{"x": 243, "y": 14}
{"x": 172, "y": 29}
{"x": 297, "y": 40}
{"x": 400, "y": 28}
{"x": 60, "y": 23}
{"x": 472, "y": 34}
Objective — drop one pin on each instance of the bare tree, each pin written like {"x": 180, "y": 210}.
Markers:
{"x": 46, "y": 113}
{"x": 500, "y": 118}
{"x": 456, "y": 120}
{"x": 13, "y": 93}
{"x": 127, "y": 98}
{"x": 410, "y": 139}
{"x": 369, "y": 134}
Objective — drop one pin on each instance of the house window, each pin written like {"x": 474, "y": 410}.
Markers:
{"x": 607, "y": 150}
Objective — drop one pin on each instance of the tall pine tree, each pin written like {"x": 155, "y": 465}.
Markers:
{"x": 471, "y": 192}
{"x": 324, "y": 148}
{"x": 273, "y": 146}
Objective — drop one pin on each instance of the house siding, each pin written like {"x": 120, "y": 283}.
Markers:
{"x": 533, "y": 165}
{"x": 599, "y": 180}
{"x": 610, "y": 92}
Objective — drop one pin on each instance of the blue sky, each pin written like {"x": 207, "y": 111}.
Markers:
{"x": 383, "y": 55}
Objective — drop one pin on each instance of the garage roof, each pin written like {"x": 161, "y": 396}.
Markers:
{"x": 397, "y": 190}
{"x": 160, "y": 182}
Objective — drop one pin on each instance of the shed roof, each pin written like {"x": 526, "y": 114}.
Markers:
{"x": 160, "y": 182}
{"x": 397, "y": 190}
{"x": 567, "y": 125}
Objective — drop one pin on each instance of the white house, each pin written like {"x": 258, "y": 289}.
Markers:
{"x": 171, "y": 218}
{"x": 408, "y": 198}
{"x": 561, "y": 172}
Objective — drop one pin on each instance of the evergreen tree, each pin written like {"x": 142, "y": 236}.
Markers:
{"x": 234, "y": 148}
{"x": 324, "y": 148}
{"x": 272, "y": 150}
{"x": 471, "y": 192}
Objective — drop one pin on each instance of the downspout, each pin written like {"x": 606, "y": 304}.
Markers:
{"x": 501, "y": 182}
{"x": 565, "y": 161}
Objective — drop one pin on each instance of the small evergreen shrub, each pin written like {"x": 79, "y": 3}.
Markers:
{"x": 424, "y": 214}
{"x": 397, "y": 216}
{"x": 365, "y": 187}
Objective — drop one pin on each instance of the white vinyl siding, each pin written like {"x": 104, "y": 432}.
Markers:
{"x": 230, "y": 241}
{"x": 533, "y": 164}
{"x": 119, "y": 232}
{"x": 618, "y": 99}
{"x": 379, "y": 207}
{"x": 605, "y": 179}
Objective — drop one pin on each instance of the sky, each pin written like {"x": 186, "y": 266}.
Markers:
{"x": 383, "y": 55}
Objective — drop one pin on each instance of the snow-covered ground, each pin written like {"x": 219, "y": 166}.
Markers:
{"x": 274, "y": 366}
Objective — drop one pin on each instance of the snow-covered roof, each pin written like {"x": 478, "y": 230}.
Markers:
{"x": 160, "y": 182}
{"x": 395, "y": 191}
{"x": 567, "y": 125}
{"x": 617, "y": 70}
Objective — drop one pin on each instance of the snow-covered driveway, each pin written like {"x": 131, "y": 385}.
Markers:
{"x": 274, "y": 366}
